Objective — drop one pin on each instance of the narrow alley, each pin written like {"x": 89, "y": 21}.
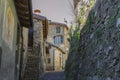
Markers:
{"x": 56, "y": 75}
{"x": 59, "y": 39}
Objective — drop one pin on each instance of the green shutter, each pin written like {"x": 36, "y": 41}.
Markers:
{"x": 57, "y": 29}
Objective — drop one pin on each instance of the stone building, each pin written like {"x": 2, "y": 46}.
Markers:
{"x": 57, "y": 36}
{"x": 35, "y": 59}
{"x": 8, "y": 39}
{"x": 39, "y": 38}
{"x": 15, "y": 18}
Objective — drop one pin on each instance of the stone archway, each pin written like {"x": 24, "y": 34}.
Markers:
{"x": 57, "y": 47}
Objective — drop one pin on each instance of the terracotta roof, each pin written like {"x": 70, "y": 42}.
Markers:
{"x": 57, "y": 23}
{"x": 24, "y": 12}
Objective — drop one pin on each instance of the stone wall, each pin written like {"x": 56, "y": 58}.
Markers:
{"x": 8, "y": 37}
{"x": 52, "y": 32}
{"x": 98, "y": 55}
{"x": 54, "y": 56}
{"x": 58, "y": 60}
{"x": 25, "y": 48}
{"x": 82, "y": 10}
{"x": 38, "y": 44}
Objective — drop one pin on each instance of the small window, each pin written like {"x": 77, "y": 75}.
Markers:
{"x": 48, "y": 60}
{"x": 58, "y": 39}
{"x": 58, "y": 30}
{"x": 0, "y": 55}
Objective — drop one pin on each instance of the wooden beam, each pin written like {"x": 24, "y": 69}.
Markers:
{"x": 20, "y": 5}
{"x": 25, "y": 24}
{"x": 23, "y": 17}
{"x": 24, "y": 11}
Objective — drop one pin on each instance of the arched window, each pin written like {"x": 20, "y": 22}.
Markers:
{"x": 58, "y": 39}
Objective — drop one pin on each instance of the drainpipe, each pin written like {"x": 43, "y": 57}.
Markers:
{"x": 21, "y": 55}
{"x": 53, "y": 60}
{"x": 30, "y": 12}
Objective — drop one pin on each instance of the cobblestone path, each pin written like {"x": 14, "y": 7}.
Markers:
{"x": 57, "y": 75}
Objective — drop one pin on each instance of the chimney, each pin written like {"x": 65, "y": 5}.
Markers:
{"x": 37, "y": 11}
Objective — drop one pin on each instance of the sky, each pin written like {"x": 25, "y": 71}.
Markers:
{"x": 55, "y": 10}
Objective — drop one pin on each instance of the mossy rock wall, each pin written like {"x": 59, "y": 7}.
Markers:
{"x": 98, "y": 55}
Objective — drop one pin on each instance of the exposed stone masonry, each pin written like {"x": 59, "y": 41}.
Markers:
{"x": 98, "y": 55}
{"x": 32, "y": 66}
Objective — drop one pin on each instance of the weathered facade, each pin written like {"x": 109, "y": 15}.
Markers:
{"x": 8, "y": 40}
{"x": 57, "y": 35}
{"x": 25, "y": 33}
{"x": 39, "y": 38}
{"x": 11, "y": 38}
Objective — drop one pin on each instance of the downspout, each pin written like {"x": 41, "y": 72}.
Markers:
{"x": 21, "y": 54}
{"x": 17, "y": 55}
{"x": 30, "y": 16}
{"x": 30, "y": 12}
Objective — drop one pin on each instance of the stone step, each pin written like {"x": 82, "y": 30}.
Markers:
{"x": 33, "y": 61}
{"x": 31, "y": 72}
{"x": 33, "y": 56}
{"x": 30, "y": 77}
{"x": 32, "y": 65}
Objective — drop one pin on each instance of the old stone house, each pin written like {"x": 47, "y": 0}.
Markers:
{"x": 15, "y": 19}
{"x": 57, "y": 36}
{"x": 39, "y": 38}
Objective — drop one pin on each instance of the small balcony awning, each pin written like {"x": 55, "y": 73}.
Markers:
{"x": 24, "y": 12}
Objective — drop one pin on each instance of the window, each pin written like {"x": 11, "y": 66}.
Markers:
{"x": 48, "y": 60}
{"x": 57, "y": 29}
{"x": 0, "y": 55}
{"x": 58, "y": 39}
